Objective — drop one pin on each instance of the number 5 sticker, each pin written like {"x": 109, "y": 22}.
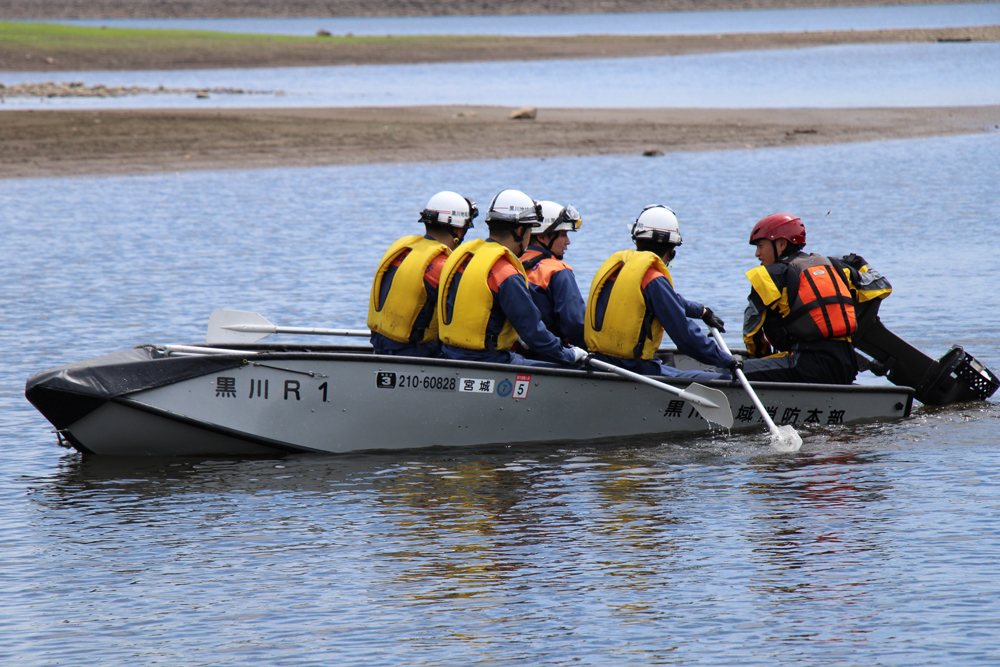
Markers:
{"x": 521, "y": 385}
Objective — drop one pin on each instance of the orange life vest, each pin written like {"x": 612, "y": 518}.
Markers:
{"x": 821, "y": 305}
{"x": 540, "y": 267}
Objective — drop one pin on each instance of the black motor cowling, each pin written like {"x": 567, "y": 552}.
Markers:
{"x": 954, "y": 378}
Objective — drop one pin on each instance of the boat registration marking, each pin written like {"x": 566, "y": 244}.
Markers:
{"x": 388, "y": 380}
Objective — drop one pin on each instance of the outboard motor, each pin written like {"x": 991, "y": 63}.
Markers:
{"x": 954, "y": 378}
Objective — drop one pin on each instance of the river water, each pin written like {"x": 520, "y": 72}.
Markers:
{"x": 639, "y": 23}
{"x": 877, "y": 75}
{"x": 872, "y": 545}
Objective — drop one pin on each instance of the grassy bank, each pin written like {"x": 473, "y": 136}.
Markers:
{"x": 42, "y": 45}
{"x": 49, "y": 47}
{"x": 56, "y": 37}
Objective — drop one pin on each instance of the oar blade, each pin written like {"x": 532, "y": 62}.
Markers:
{"x": 721, "y": 415}
{"x": 786, "y": 439}
{"x": 219, "y": 320}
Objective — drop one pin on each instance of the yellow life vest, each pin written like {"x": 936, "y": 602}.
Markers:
{"x": 628, "y": 330}
{"x": 407, "y": 295}
{"x": 765, "y": 287}
{"x": 465, "y": 324}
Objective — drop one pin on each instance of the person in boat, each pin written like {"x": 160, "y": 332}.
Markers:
{"x": 632, "y": 302}
{"x": 801, "y": 310}
{"x": 403, "y": 300}
{"x": 553, "y": 284}
{"x": 484, "y": 305}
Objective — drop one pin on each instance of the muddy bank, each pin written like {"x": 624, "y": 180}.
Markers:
{"x": 41, "y": 9}
{"x": 123, "y": 51}
{"x": 58, "y": 143}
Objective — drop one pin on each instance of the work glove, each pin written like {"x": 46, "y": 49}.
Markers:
{"x": 579, "y": 355}
{"x": 713, "y": 320}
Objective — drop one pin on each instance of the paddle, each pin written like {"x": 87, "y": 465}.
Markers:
{"x": 711, "y": 404}
{"x": 783, "y": 438}
{"x": 242, "y": 326}
{"x": 193, "y": 349}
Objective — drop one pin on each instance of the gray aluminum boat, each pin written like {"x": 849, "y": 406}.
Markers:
{"x": 268, "y": 398}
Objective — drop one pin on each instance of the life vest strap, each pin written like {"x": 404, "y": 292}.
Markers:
{"x": 533, "y": 262}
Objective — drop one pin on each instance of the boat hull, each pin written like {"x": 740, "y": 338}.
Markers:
{"x": 337, "y": 402}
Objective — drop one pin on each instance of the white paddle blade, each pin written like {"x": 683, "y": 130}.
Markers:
{"x": 223, "y": 327}
{"x": 722, "y": 414}
{"x": 786, "y": 439}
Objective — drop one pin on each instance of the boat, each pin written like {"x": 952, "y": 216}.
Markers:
{"x": 268, "y": 398}
{"x": 234, "y": 395}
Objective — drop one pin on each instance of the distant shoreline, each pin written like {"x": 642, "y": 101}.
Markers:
{"x": 88, "y": 143}
{"x": 52, "y": 48}
{"x": 110, "y": 9}
{"x": 81, "y": 143}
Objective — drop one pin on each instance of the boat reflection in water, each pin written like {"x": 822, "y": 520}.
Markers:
{"x": 471, "y": 524}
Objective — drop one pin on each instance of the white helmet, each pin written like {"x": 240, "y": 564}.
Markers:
{"x": 556, "y": 218}
{"x": 451, "y": 209}
{"x": 516, "y": 208}
{"x": 658, "y": 224}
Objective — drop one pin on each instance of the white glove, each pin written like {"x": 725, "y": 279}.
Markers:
{"x": 579, "y": 355}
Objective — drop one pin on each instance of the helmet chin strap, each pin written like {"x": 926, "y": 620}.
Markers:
{"x": 518, "y": 237}
{"x": 784, "y": 253}
{"x": 555, "y": 237}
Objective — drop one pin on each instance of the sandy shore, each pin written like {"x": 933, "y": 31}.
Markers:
{"x": 61, "y": 143}
{"x": 40, "y": 9}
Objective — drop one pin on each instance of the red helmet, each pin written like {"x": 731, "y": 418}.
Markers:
{"x": 779, "y": 226}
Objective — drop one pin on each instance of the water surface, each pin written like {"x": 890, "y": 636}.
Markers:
{"x": 879, "y": 75}
{"x": 873, "y": 545}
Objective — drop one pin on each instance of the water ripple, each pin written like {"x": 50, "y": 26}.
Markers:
{"x": 874, "y": 544}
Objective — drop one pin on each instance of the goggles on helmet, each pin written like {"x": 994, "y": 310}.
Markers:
{"x": 435, "y": 217}
{"x": 657, "y": 223}
{"x": 657, "y": 236}
{"x": 567, "y": 220}
{"x": 528, "y": 216}
{"x": 569, "y": 216}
